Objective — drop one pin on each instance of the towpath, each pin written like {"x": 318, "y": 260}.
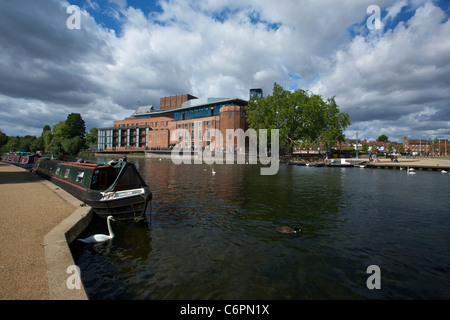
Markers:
{"x": 28, "y": 211}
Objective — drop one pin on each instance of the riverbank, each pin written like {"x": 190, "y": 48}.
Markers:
{"x": 35, "y": 217}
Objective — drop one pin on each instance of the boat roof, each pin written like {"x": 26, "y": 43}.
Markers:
{"x": 86, "y": 165}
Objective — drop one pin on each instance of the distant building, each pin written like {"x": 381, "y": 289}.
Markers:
{"x": 427, "y": 147}
{"x": 149, "y": 128}
{"x": 256, "y": 94}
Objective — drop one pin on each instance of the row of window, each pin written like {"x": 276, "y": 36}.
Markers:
{"x": 147, "y": 124}
{"x": 80, "y": 174}
{"x": 182, "y": 115}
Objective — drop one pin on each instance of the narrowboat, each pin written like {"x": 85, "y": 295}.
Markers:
{"x": 115, "y": 188}
{"x": 20, "y": 159}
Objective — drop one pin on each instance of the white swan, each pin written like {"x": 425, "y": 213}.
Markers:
{"x": 100, "y": 237}
{"x": 443, "y": 171}
{"x": 410, "y": 171}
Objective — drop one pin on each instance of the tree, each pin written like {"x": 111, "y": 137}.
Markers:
{"x": 75, "y": 126}
{"x": 299, "y": 116}
{"x": 66, "y": 136}
{"x": 365, "y": 147}
{"x": 25, "y": 143}
{"x": 37, "y": 144}
{"x": 12, "y": 144}
{"x": 72, "y": 146}
{"x": 383, "y": 138}
{"x": 3, "y": 138}
{"x": 47, "y": 137}
{"x": 92, "y": 137}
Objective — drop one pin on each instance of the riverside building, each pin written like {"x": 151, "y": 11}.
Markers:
{"x": 156, "y": 129}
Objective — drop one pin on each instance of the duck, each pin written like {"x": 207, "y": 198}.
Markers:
{"x": 96, "y": 238}
{"x": 289, "y": 230}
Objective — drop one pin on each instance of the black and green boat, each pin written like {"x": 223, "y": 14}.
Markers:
{"x": 115, "y": 188}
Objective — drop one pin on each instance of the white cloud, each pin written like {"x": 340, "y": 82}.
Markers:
{"x": 386, "y": 77}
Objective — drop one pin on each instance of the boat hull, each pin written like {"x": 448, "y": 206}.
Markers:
{"x": 127, "y": 204}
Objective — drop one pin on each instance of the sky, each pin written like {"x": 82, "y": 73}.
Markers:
{"x": 387, "y": 63}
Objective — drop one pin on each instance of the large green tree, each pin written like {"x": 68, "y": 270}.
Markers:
{"x": 300, "y": 116}
{"x": 75, "y": 126}
{"x": 66, "y": 136}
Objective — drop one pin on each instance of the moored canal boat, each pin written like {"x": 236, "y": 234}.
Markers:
{"x": 21, "y": 159}
{"x": 115, "y": 188}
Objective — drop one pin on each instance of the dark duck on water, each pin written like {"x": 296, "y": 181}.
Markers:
{"x": 289, "y": 230}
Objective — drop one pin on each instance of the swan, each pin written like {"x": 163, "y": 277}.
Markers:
{"x": 288, "y": 230}
{"x": 100, "y": 237}
{"x": 410, "y": 171}
{"x": 443, "y": 171}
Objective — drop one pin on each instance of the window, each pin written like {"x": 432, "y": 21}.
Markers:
{"x": 230, "y": 114}
{"x": 80, "y": 176}
{"x": 66, "y": 174}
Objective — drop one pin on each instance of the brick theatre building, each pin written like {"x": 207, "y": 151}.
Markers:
{"x": 151, "y": 129}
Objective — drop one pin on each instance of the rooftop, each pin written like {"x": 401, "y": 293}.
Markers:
{"x": 149, "y": 111}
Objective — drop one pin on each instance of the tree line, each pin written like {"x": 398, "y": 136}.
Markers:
{"x": 66, "y": 137}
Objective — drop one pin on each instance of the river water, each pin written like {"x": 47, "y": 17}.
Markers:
{"x": 214, "y": 236}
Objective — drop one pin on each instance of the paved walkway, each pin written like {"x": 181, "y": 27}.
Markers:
{"x": 415, "y": 162}
{"x": 28, "y": 211}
